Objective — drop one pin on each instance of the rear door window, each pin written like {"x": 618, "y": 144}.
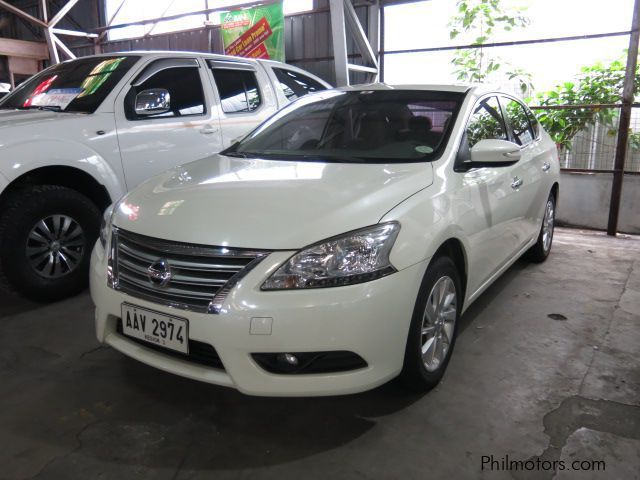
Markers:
{"x": 295, "y": 85}
{"x": 518, "y": 121}
{"x": 238, "y": 90}
{"x": 535, "y": 125}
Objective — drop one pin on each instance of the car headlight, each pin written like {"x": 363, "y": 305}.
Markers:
{"x": 105, "y": 225}
{"x": 356, "y": 257}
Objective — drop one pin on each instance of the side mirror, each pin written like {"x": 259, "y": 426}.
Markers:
{"x": 153, "y": 102}
{"x": 493, "y": 152}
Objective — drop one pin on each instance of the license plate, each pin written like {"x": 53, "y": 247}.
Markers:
{"x": 157, "y": 328}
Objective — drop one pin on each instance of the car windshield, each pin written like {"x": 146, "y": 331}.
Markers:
{"x": 76, "y": 86}
{"x": 372, "y": 126}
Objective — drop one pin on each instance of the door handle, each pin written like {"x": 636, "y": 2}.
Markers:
{"x": 208, "y": 130}
{"x": 546, "y": 166}
{"x": 517, "y": 183}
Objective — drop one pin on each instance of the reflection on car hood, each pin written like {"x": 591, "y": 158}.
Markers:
{"x": 268, "y": 204}
{"x": 22, "y": 118}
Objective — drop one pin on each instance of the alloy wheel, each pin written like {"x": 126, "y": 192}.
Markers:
{"x": 438, "y": 323}
{"x": 547, "y": 225}
{"x": 55, "y": 246}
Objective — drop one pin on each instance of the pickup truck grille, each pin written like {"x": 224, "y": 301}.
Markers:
{"x": 200, "y": 276}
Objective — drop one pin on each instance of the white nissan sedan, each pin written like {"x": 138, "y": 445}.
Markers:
{"x": 332, "y": 249}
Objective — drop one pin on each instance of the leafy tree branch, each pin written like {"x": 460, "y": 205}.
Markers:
{"x": 597, "y": 84}
{"x": 480, "y": 19}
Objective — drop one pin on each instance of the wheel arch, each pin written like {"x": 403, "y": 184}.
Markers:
{"x": 65, "y": 176}
{"x": 555, "y": 189}
{"x": 454, "y": 249}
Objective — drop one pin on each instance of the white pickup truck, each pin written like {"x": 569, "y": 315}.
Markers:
{"x": 79, "y": 135}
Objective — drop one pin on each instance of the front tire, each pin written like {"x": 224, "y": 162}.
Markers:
{"x": 539, "y": 252}
{"x": 46, "y": 236}
{"x": 432, "y": 333}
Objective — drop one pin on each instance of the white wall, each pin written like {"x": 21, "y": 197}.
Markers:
{"x": 585, "y": 198}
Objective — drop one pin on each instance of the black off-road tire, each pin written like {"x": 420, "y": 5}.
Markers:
{"x": 20, "y": 213}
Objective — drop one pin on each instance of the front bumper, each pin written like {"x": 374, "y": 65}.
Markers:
{"x": 370, "y": 319}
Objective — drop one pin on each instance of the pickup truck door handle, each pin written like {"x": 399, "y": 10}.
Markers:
{"x": 208, "y": 130}
{"x": 517, "y": 183}
{"x": 546, "y": 166}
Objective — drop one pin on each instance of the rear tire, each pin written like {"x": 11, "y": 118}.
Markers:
{"x": 433, "y": 329}
{"x": 539, "y": 252}
{"x": 46, "y": 236}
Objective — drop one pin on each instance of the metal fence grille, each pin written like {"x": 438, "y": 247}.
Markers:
{"x": 594, "y": 147}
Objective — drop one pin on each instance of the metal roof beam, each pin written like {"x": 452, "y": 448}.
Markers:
{"x": 342, "y": 14}
{"x": 21, "y": 14}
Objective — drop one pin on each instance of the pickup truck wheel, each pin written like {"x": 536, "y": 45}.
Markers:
{"x": 432, "y": 333}
{"x": 541, "y": 249}
{"x": 46, "y": 236}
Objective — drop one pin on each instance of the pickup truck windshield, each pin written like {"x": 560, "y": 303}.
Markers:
{"x": 372, "y": 126}
{"x": 76, "y": 86}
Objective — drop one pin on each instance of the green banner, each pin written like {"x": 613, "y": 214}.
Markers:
{"x": 256, "y": 32}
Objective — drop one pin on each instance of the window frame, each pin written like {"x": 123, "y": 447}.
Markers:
{"x": 161, "y": 65}
{"x": 510, "y": 130}
{"x": 531, "y": 115}
{"x": 462, "y": 162}
{"x": 237, "y": 66}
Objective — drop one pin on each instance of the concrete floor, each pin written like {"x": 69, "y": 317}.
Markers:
{"x": 520, "y": 384}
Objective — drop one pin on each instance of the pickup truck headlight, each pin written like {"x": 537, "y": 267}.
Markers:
{"x": 105, "y": 225}
{"x": 356, "y": 257}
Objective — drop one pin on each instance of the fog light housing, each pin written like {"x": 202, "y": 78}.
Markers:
{"x": 309, "y": 362}
{"x": 288, "y": 358}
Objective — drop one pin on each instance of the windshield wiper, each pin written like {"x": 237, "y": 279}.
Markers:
{"x": 50, "y": 108}
{"x": 301, "y": 157}
{"x": 235, "y": 155}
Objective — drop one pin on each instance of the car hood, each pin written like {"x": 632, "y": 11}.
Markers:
{"x": 22, "y": 118}
{"x": 267, "y": 204}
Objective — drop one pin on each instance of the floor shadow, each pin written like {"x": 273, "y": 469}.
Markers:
{"x": 229, "y": 430}
{"x": 490, "y": 294}
{"x": 14, "y": 304}
{"x": 102, "y": 410}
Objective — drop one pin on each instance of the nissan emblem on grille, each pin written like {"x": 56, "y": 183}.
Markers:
{"x": 159, "y": 273}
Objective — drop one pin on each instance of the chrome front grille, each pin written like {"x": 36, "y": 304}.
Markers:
{"x": 200, "y": 276}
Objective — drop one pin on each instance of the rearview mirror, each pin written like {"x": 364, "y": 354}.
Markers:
{"x": 490, "y": 151}
{"x": 153, "y": 102}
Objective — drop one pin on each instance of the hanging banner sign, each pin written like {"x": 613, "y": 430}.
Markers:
{"x": 256, "y": 32}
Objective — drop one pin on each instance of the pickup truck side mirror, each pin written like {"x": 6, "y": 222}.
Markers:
{"x": 153, "y": 102}
{"x": 490, "y": 152}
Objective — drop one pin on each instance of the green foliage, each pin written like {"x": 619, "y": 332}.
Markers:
{"x": 484, "y": 122}
{"x": 596, "y": 84}
{"x": 634, "y": 141}
{"x": 480, "y": 19}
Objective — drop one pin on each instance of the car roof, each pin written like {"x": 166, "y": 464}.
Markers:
{"x": 468, "y": 88}
{"x": 173, "y": 53}
{"x": 458, "y": 88}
